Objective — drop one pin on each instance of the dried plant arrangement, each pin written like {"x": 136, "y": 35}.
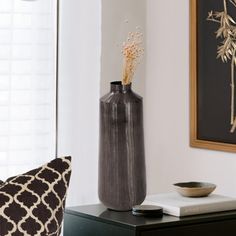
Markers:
{"x": 132, "y": 51}
{"x": 226, "y": 51}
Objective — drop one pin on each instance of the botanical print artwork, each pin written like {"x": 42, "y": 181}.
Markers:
{"x": 226, "y": 51}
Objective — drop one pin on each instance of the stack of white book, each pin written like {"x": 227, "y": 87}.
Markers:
{"x": 177, "y": 205}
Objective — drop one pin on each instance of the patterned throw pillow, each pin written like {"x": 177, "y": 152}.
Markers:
{"x": 32, "y": 204}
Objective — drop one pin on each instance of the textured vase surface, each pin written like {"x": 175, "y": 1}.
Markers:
{"x": 122, "y": 173}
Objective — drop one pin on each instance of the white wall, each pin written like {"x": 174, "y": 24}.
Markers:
{"x": 164, "y": 86}
{"x": 169, "y": 157}
{"x": 79, "y": 80}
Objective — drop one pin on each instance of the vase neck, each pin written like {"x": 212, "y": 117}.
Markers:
{"x": 117, "y": 86}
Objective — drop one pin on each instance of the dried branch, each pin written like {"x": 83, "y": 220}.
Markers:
{"x": 233, "y": 2}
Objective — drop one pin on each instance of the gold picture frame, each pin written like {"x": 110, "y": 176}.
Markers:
{"x": 197, "y": 78}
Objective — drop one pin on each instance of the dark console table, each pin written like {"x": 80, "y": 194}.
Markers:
{"x": 96, "y": 220}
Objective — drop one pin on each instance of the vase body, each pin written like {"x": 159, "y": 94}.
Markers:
{"x": 122, "y": 173}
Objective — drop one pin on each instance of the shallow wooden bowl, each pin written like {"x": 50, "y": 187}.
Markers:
{"x": 194, "y": 189}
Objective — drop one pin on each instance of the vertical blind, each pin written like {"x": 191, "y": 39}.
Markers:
{"x": 27, "y": 84}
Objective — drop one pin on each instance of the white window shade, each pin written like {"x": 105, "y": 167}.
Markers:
{"x": 27, "y": 84}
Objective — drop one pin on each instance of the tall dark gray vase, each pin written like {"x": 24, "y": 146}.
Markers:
{"x": 122, "y": 173}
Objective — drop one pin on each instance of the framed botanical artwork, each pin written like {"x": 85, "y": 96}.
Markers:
{"x": 213, "y": 74}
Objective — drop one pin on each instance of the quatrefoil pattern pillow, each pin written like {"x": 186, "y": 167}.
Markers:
{"x": 32, "y": 204}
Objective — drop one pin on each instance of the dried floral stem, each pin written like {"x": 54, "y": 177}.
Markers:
{"x": 132, "y": 51}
